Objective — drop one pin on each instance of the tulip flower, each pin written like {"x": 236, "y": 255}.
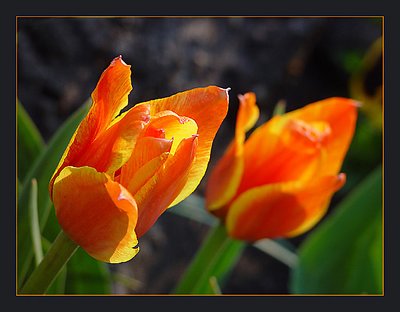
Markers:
{"x": 279, "y": 182}
{"x": 121, "y": 171}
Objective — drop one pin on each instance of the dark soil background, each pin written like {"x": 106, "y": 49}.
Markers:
{"x": 299, "y": 60}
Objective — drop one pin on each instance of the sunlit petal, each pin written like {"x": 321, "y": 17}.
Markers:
{"x": 157, "y": 194}
{"x": 208, "y": 108}
{"x": 109, "y": 97}
{"x": 97, "y": 213}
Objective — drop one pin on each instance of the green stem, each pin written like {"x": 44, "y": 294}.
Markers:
{"x": 58, "y": 255}
{"x": 216, "y": 257}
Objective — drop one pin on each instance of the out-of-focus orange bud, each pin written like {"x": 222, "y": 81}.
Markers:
{"x": 279, "y": 182}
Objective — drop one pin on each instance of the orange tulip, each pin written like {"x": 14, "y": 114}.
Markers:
{"x": 279, "y": 182}
{"x": 120, "y": 172}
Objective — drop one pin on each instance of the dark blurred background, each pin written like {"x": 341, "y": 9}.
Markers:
{"x": 298, "y": 60}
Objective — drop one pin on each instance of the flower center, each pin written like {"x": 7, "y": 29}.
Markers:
{"x": 172, "y": 127}
{"x": 308, "y": 135}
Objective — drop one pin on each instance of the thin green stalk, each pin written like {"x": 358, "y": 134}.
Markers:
{"x": 58, "y": 255}
{"x": 34, "y": 223}
{"x": 216, "y": 257}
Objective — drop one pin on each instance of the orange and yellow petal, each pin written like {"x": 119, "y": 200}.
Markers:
{"x": 114, "y": 147}
{"x": 97, "y": 213}
{"x": 146, "y": 149}
{"x": 208, "y": 108}
{"x": 306, "y": 143}
{"x": 174, "y": 127}
{"x": 109, "y": 97}
{"x": 226, "y": 175}
{"x": 282, "y": 209}
{"x": 248, "y": 113}
{"x": 279, "y": 152}
{"x": 341, "y": 115}
{"x": 145, "y": 173}
{"x": 224, "y": 179}
{"x": 157, "y": 194}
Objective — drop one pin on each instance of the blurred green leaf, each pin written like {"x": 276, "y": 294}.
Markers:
{"x": 361, "y": 88}
{"x": 58, "y": 286}
{"x": 280, "y": 108}
{"x": 214, "y": 260}
{"x": 42, "y": 170}
{"x": 365, "y": 152}
{"x": 87, "y": 275}
{"x": 81, "y": 275}
{"x": 351, "y": 60}
{"x": 19, "y": 185}
{"x": 193, "y": 209}
{"x": 29, "y": 142}
{"x": 344, "y": 254}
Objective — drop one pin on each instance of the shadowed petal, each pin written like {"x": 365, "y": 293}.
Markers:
{"x": 281, "y": 210}
{"x": 98, "y": 214}
{"x": 226, "y": 175}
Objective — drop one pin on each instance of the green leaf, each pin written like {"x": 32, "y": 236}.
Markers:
{"x": 30, "y": 142}
{"x": 87, "y": 275}
{"x": 344, "y": 254}
{"x": 280, "y": 108}
{"x": 193, "y": 209}
{"x": 58, "y": 286}
{"x": 42, "y": 170}
{"x": 19, "y": 186}
{"x": 211, "y": 264}
{"x": 52, "y": 264}
{"x": 81, "y": 275}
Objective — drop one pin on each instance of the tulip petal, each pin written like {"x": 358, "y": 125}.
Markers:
{"x": 226, "y": 175}
{"x": 114, "y": 146}
{"x": 157, "y": 194}
{"x": 248, "y": 113}
{"x": 146, "y": 173}
{"x": 208, "y": 108}
{"x": 146, "y": 149}
{"x": 307, "y": 143}
{"x": 109, "y": 97}
{"x": 341, "y": 115}
{"x": 281, "y": 209}
{"x": 97, "y": 213}
{"x": 174, "y": 127}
